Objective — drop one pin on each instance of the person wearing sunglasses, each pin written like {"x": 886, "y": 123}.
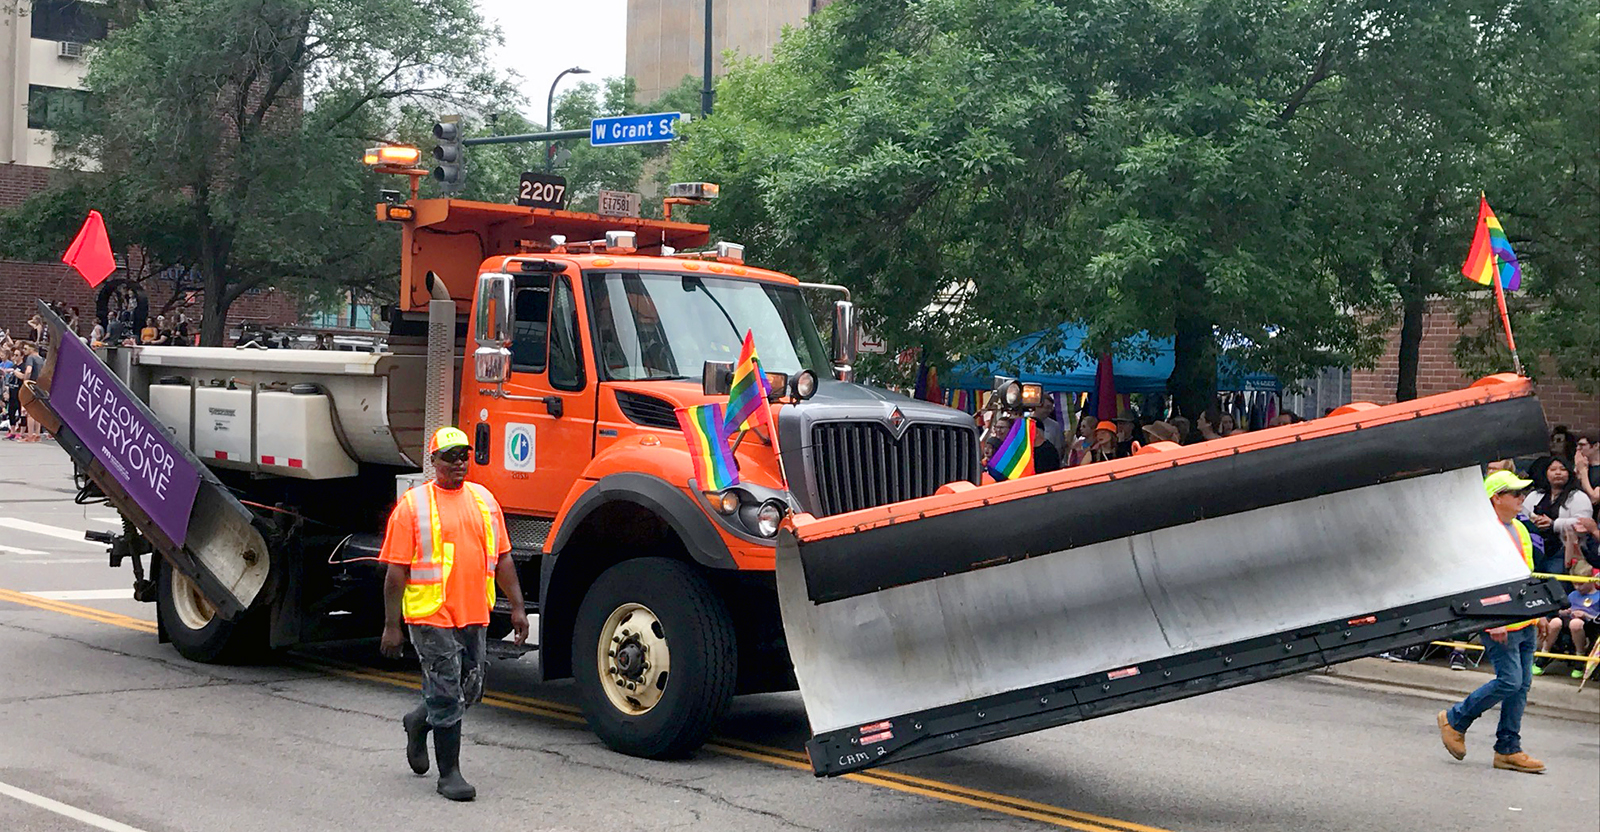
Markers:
{"x": 446, "y": 548}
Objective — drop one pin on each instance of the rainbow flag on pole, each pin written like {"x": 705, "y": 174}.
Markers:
{"x": 1491, "y": 253}
{"x": 747, "y": 396}
{"x": 714, "y": 468}
{"x": 1014, "y": 457}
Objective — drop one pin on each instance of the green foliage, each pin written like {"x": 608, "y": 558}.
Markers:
{"x": 1261, "y": 178}
{"x": 230, "y": 131}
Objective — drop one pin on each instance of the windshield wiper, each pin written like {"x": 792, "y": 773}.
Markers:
{"x": 663, "y": 378}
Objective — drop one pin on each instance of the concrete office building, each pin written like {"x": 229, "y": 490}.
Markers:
{"x": 666, "y": 38}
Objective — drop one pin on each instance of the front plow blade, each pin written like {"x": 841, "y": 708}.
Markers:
{"x": 994, "y": 611}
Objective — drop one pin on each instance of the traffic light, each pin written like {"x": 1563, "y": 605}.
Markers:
{"x": 449, "y": 165}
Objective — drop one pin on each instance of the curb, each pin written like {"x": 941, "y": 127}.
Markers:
{"x": 1374, "y": 674}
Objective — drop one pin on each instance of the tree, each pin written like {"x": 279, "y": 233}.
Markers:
{"x": 241, "y": 121}
{"x": 1267, "y": 182}
{"x": 1123, "y": 163}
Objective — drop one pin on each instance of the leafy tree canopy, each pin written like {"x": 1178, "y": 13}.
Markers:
{"x": 229, "y": 135}
{"x": 1236, "y": 174}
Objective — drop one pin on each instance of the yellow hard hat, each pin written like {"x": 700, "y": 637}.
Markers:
{"x": 1501, "y": 481}
{"x": 447, "y": 437}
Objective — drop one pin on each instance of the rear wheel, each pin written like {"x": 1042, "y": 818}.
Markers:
{"x": 195, "y": 629}
{"x": 654, "y": 657}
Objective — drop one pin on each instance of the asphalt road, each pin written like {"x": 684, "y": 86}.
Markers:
{"x": 103, "y": 728}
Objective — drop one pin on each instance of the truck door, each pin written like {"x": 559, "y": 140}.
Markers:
{"x": 531, "y": 446}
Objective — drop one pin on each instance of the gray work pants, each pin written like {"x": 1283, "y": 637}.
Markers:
{"x": 452, "y": 670}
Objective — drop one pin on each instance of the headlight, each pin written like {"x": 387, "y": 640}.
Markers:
{"x": 1032, "y": 395}
{"x": 1011, "y": 395}
{"x": 768, "y": 518}
{"x": 805, "y": 384}
{"x": 725, "y": 502}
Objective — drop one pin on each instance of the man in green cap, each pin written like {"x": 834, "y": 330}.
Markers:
{"x": 445, "y": 547}
{"x": 1510, "y": 649}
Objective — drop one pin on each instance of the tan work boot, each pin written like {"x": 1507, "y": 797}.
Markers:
{"x": 1519, "y": 761}
{"x": 1455, "y": 742}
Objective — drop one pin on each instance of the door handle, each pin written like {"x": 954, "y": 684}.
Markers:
{"x": 553, "y": 405}
{"x": 480, "y": 444}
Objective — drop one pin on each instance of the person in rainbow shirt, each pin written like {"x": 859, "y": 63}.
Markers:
{"x": 1510, "y": 649}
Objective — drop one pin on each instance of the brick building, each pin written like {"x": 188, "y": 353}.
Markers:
{"x": 42, "y": 54}
{"x": 1564, "y": 403}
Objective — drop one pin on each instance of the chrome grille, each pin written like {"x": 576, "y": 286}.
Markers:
{"x": 860, "y": 464}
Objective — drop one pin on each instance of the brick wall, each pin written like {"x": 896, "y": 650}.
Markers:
{"x": 1437, "y": 372}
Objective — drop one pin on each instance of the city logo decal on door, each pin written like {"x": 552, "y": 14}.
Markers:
{"x": 519, "y": 447}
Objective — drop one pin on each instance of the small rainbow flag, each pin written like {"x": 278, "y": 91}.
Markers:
{"x": 747, "y": 396}
{"x": 1014, "y": 457}
{"x": 1491, "y": 252}
{"x": 714, "y": 468}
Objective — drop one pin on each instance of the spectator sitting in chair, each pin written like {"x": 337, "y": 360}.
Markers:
{"x": 1556, "y": 505}
{"x": 1581, "y": 620}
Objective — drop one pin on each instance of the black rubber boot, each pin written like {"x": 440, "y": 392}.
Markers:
{"x": 447, "y": 748}
{"x": 416, "y": 724}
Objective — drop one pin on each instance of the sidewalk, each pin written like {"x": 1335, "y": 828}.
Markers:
{"x": 1553, "y": 695}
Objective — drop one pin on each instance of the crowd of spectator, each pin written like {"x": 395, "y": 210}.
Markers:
{"x": 1099, "y": 440}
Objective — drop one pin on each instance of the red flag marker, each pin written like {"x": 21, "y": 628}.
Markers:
{"x": 90, "y": 252}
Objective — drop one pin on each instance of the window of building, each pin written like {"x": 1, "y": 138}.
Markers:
{"x": 68, "y": 20}
{"x": 49, "y": 106}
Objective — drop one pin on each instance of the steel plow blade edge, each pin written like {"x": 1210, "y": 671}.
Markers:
{"x": 1058, "y": 637}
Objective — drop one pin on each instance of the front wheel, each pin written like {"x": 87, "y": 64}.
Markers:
{"x": 195, "y": 629}
{"x": 654, "y": 657}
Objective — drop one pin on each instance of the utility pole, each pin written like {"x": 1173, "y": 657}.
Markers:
{"x": 705, "y": 91}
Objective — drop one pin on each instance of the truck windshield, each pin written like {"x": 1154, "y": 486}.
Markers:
{"x": 661, "y": 326}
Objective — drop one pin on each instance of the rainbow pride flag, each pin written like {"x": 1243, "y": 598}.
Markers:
{"x": 1491, "y": 253}
{"x": 714, "y": 468}
{"x": 747, "y": 396}
{"x": 1014, "y": 457}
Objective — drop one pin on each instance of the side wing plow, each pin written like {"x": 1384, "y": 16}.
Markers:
{"x": 991, "y": 611}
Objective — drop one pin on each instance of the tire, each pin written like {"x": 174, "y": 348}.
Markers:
{"x": 697, "y": 672}
{"x": 194, "y": 628}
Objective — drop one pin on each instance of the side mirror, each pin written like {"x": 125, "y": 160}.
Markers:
{"x": 844, "y": 339}
{"x": 491, "y": 361}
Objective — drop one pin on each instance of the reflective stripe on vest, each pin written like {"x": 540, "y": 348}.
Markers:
{"x": 434, "y": 558}
{"x": 1525, "y": 543}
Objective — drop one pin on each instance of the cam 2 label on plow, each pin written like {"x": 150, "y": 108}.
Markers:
{"x": 131, "y": 444}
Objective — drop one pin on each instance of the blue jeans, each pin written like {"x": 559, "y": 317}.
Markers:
{"x": 1513, "y": 675}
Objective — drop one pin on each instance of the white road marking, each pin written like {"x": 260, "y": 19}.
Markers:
{"x": 62, "y": 809}
{"x": 13, "y": 550}
{"x": 57, "y": 561}
{"x": 76, "y": 536}
{"x": 83, "y": 594}
{"x": 113, "y": 520}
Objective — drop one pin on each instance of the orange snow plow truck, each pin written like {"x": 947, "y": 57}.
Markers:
{"x": 862, "y": 557}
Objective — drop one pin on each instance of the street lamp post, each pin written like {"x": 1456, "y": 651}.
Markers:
{"x": 549, "y": 113}
{"x": 706, "y": 91}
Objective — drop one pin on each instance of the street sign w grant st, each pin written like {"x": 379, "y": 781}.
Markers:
{"x": 640, "y": 129}
{"x": 131, "y": 443}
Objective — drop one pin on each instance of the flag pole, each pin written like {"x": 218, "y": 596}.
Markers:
{"x": 1505, "y": 319}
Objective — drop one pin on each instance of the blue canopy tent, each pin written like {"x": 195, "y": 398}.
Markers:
{"x": 1059, "y": 364}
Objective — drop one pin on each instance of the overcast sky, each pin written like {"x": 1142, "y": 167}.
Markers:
{"x": 543, "y": 37}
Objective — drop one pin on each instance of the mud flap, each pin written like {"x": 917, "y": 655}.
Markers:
{"x": 202, "y": 530}
{"x": 956, "y": 621}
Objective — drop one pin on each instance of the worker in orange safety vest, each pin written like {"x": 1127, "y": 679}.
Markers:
{"x": 445, "y": 548}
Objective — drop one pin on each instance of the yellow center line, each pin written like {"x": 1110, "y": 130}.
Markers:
{"x": 78, "y": 611}
{"x": 727, "y": 746}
